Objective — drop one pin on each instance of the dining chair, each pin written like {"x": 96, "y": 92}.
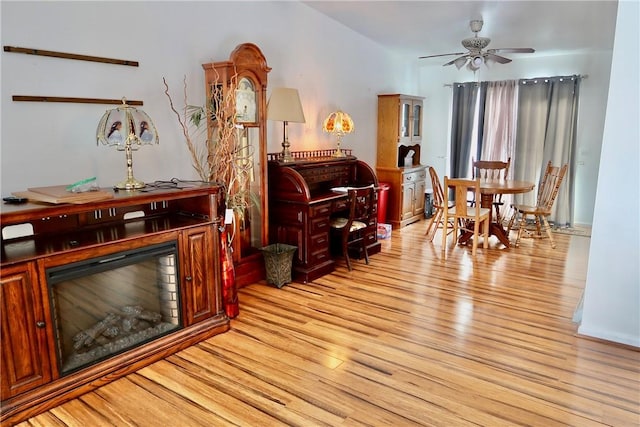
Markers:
{"x": 437, "y": 217}
{"x": 492, "y": 169}
{"x": 464, "y": 216}
{"x": 351, "y": 228}
{"x": 547, "y": 192}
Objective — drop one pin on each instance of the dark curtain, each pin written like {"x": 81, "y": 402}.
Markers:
{"x": 547, "y": 124}
{"x": 462, "y": 126}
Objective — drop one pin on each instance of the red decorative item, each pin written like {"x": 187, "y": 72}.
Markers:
{"x": 229, "y": 291}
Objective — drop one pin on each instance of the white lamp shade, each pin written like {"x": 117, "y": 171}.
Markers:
{"x": 284, "y": 105}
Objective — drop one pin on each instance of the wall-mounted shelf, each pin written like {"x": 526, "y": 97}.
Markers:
{"x": 75, "y": 100}
{"x": 32, "y": 51}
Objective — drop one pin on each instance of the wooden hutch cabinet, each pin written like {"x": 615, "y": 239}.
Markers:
{"x": 94, "y": 291}
{"x": 245, "y": 72}
{"x": 398, "y": 158}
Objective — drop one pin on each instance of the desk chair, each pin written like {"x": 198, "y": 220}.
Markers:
{"x": 361, "y": 213}
{"x": 463, "y": 215}
{"x": 438, "y": 206}
{"x": 492, "y": 169}
{"x": 547, "y": 192}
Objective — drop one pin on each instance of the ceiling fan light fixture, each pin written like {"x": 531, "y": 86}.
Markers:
{"x": 477, "y": 61}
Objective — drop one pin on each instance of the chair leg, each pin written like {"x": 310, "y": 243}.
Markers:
{"x": 476, "y": 234}
{"x": 364, "y": 249}
{"x": 511, "y": 221}
{"x": 445, "y": 223}
{"x": 485, "y": 243}
{"x": 433, "y": 225}
{"x": 549, "y": 233}
{"x": 345, "y": 251}
{"x": 523, "y": 222}
{"x": 436, "y": 219}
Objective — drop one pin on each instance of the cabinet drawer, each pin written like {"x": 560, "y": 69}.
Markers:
{"x": 414, "y": 176}
{"x": 370, "y": 237}
{"x": 320, "y": 210}
{"x": 319, "y": 241}
{"x": 318, "y": 225}
{"x": 319, "y": 255}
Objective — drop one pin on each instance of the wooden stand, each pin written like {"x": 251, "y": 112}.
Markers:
{"x": 400, "y": 133}
{"x": 32, "y": 381}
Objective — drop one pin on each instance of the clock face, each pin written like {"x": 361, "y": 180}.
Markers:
{"x": 246, "y": 101}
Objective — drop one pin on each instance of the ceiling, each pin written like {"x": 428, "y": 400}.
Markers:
{"x": 419, "y": 28}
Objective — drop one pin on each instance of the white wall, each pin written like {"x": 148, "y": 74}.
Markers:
{"x": 54, "y": 143}
{"x": 593, "y": 96}
{"x": 611, "y": 308}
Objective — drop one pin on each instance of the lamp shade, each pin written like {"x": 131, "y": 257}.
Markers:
{"x": 127, "y": 128}
{"x": 338, "y": 122}
{"x": 126, "y": 125}
{"x": 284, "y": 105}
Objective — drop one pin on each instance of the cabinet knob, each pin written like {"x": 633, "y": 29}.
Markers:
{"x": 40, "y": 324}
{"x": 188, "y": 278}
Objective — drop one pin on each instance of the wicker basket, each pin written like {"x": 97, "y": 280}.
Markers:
{"x": 278, "y": 259}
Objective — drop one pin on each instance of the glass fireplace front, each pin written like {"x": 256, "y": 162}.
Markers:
{"x": 106, "y": 305}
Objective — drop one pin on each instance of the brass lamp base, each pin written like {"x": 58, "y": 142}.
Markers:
{"x": 130, "y": 184}
{"x": 339, "y": 152}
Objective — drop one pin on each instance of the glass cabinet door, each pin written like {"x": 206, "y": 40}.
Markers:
{"x": 416, "y": 118}
{"x": 405, "y": 119}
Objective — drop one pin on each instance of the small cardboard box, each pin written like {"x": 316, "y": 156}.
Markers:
{"x": 384, "y": 231}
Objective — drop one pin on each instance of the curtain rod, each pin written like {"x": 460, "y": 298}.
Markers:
{"x": 582, "y": 76}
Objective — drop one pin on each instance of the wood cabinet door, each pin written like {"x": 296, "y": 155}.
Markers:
{"x": 24, "y": 354}
{"x": 198, "y": 275}
{"x": 408, "y": 196}
{"x": 418, "y": 208}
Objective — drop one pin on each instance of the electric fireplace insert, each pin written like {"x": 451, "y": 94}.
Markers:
{"x": 106, "y": 305}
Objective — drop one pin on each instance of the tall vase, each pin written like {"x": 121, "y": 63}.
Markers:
{"x": 229, "y": 290}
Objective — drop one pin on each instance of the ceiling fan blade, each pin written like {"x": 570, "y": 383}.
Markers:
{"x": 497, "y": 58}
{"x": 457, "y": 61}
{"x": 443, "y": 54}
{"x": 512, "y": 50}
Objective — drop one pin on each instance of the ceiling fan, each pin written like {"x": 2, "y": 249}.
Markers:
{"x": 476, "y": 55}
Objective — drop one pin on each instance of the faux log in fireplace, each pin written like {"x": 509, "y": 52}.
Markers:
{"x": 95, "y": 291}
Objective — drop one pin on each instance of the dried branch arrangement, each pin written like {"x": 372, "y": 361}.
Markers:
{"x": 212, "y": 148}
{"x": 218, "y": 153}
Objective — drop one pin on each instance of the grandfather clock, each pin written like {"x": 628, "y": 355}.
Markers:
{"x": 246, "y": 73}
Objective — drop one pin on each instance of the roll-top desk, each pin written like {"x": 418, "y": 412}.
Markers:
{"x": 301, "y": 203}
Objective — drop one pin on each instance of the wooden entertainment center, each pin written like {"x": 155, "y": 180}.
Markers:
{"x": 92, "y": 235}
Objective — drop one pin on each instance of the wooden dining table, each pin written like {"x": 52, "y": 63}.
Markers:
{"x": 489, "y": 188}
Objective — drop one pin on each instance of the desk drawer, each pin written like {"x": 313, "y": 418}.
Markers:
{"x": 323, "y": 209}
{"x": 319, "y": 241}
{"x": 317, "y": 225}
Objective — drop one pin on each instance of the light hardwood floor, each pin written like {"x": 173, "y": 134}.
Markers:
{"x": 410, "y": 339}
